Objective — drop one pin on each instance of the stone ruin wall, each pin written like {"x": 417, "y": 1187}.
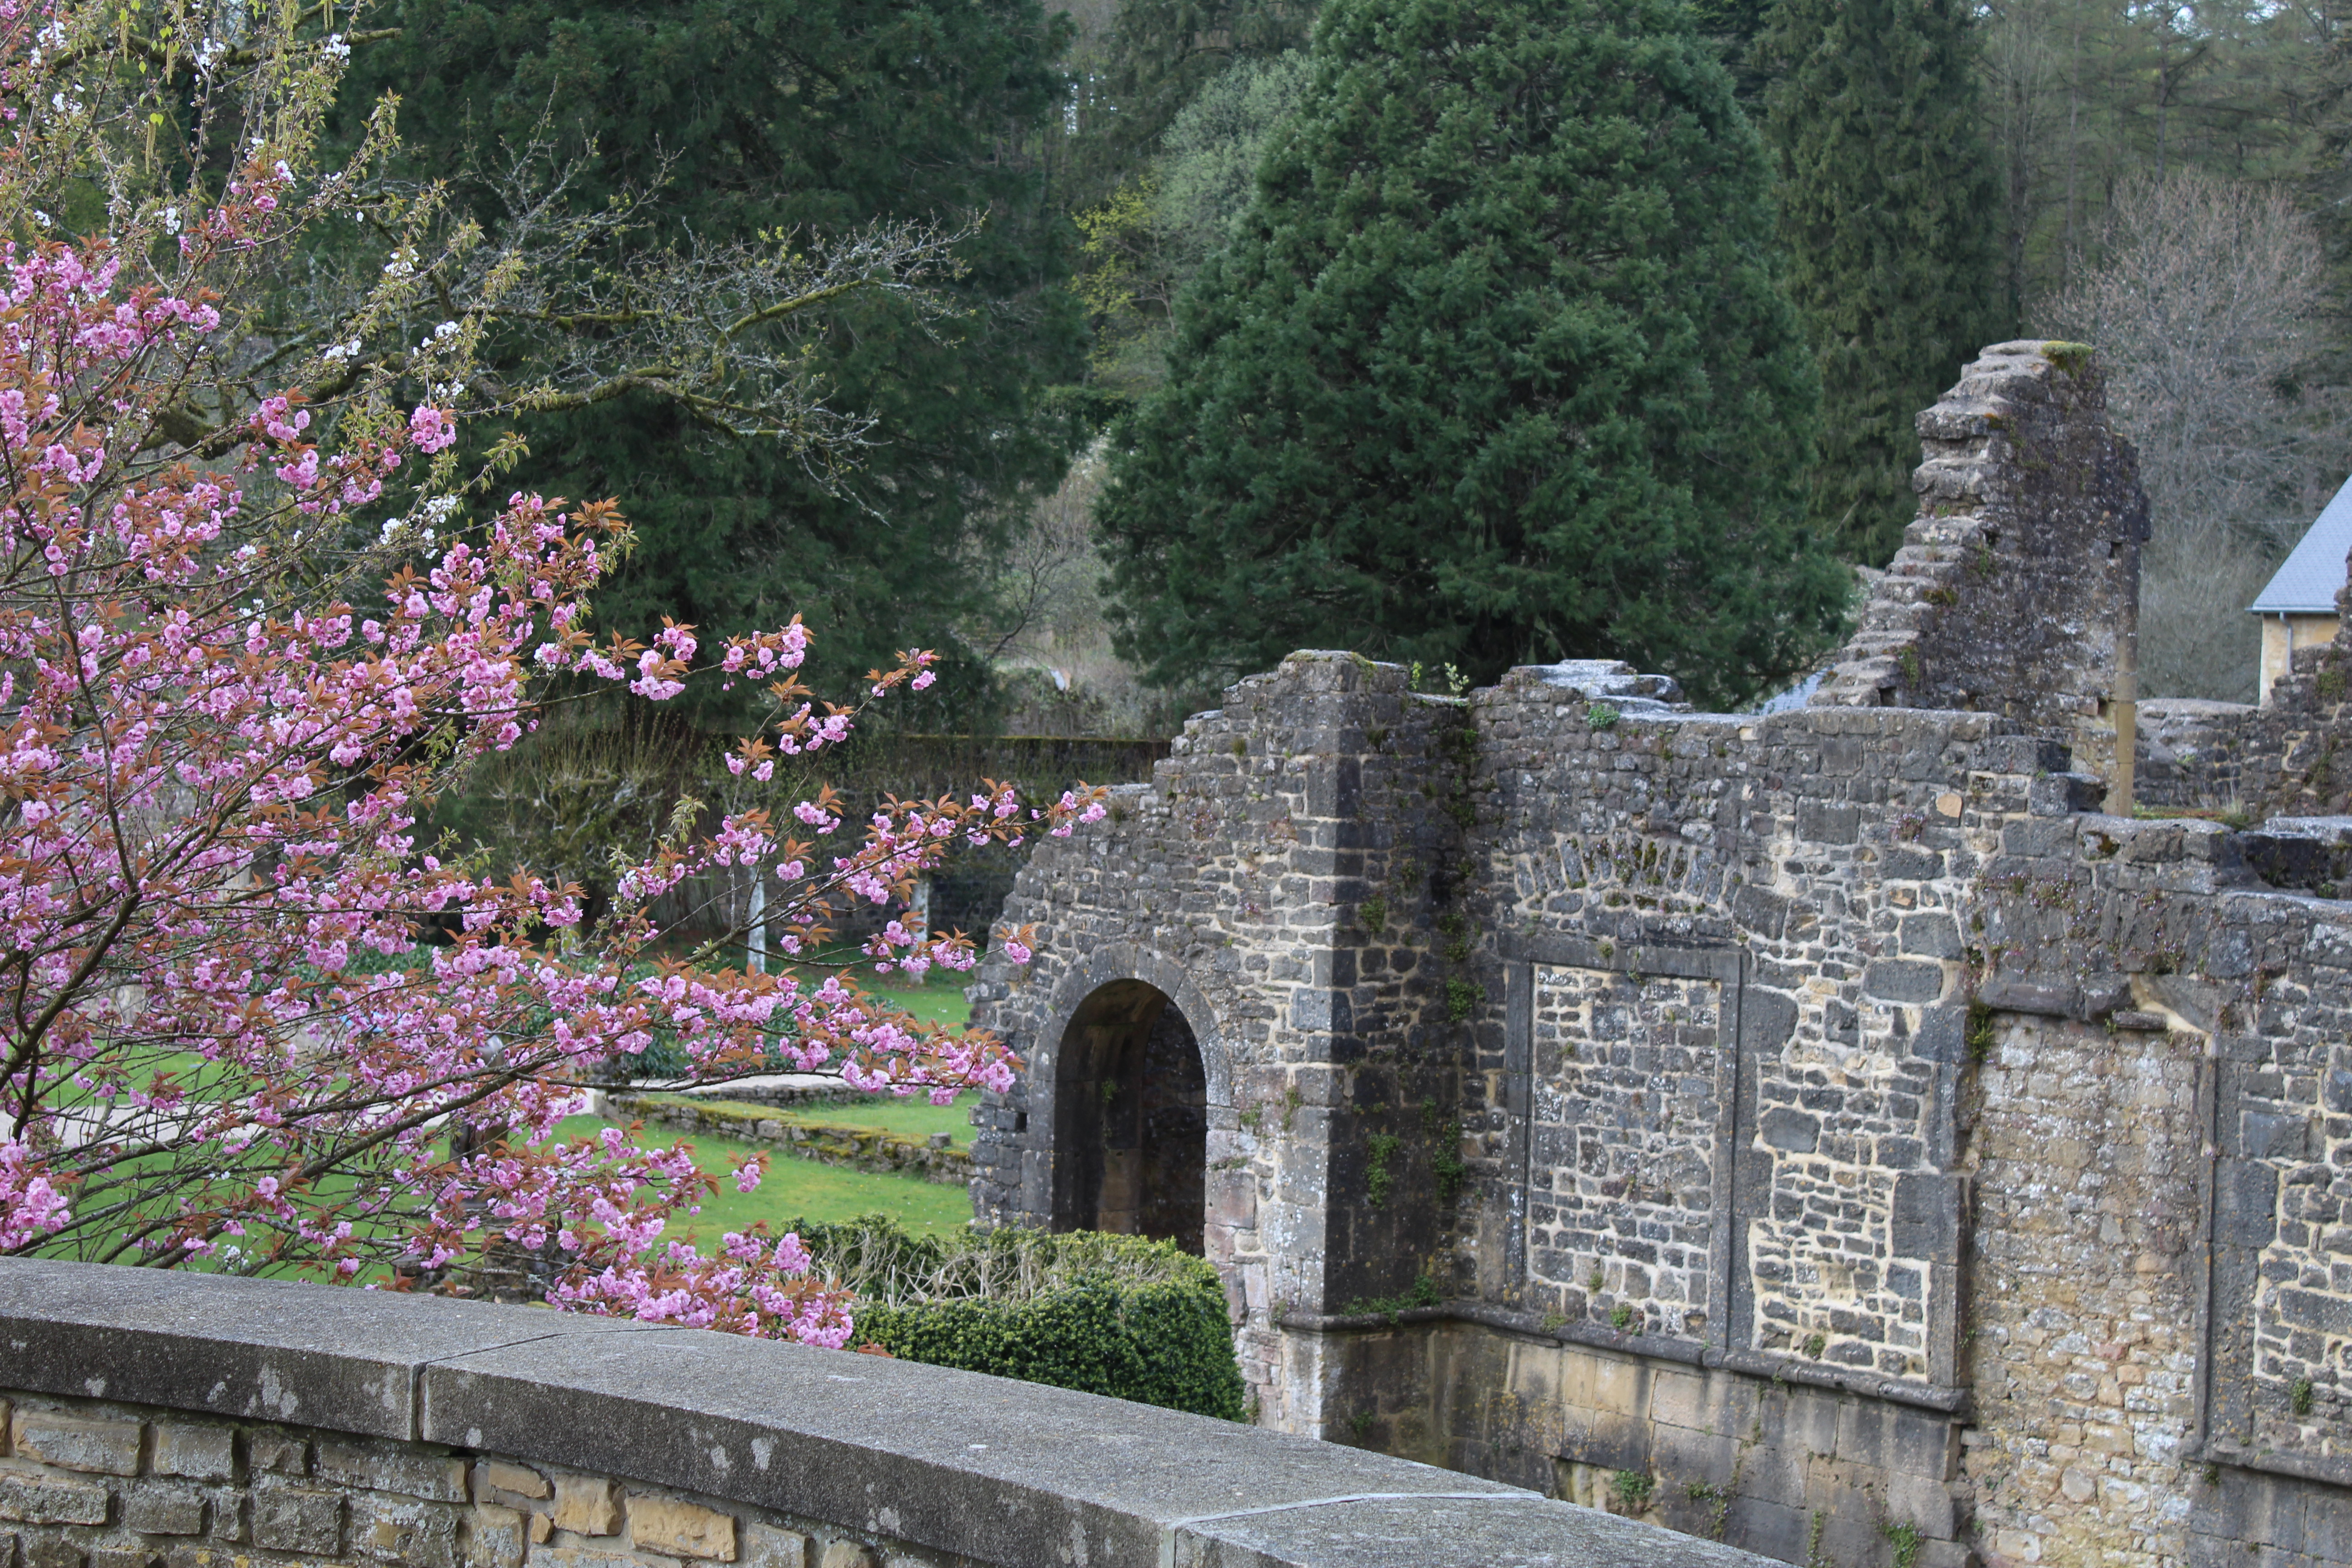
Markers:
{"x": 1826, "y": 1115}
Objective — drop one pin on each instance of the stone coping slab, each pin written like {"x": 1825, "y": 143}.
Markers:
{"x": 993, "y": 1469}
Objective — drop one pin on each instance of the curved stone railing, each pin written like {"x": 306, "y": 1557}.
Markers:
{"x": 194, "y": 1420}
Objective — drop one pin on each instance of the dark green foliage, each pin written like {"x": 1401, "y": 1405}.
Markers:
{"x": 1734, "y": 27}
{"x": 1494, "y": 370}
{"x": 819, "y": 115}
{"x": 1890, "y": 220}
{"x": 1118, "y": 1315}
{"x": 1161, "y": 53}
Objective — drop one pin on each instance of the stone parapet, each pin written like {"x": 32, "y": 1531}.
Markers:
{"x": 188, "y": 1420}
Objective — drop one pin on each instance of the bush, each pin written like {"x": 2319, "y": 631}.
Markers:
{"x": 1119, "y": 1315}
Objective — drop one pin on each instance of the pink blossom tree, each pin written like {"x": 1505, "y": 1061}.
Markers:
{"x": 217, "y": 737}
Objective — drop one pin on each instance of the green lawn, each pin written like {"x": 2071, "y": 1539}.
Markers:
{"x": 938, "y": 1000}
{"x": 795, "y": 1189}
{"x": 913, "y": 1117}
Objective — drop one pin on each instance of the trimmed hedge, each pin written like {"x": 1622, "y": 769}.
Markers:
{"x": 1119, "y": 1315}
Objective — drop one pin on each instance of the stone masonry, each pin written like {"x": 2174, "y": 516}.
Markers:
{"x": 1822, "y": 1130}
{"x": 153, "y": 1419}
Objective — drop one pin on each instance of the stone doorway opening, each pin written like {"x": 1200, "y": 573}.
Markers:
{"x": 1132, "y": 1122}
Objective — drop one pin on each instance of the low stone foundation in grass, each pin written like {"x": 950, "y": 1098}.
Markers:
{"x": 869, "y": 1149}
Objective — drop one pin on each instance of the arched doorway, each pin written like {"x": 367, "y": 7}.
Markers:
{"x": 1131, "y": 1118}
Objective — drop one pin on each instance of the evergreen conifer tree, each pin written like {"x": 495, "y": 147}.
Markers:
{"x": 1890, "y": 222}
{"x": 1496, "y": 369}
{"x": 792, "y": 118}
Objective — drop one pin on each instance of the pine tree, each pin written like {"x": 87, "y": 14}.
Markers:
{"x": 1891, "y": 222}
{"x": 1495, "y": 370}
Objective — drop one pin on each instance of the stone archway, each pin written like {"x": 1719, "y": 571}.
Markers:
{"x": 1130, "y": 1133}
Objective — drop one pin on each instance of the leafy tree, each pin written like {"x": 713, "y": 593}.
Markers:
{"x": 1158, "y": 56}
{"x": 1495, "y": 370}
{"x": 225, "y": 1051}
{"x": 1889, "y": 218}
{"x": 1145, "y": 240}
{"x": 734, "y": 119}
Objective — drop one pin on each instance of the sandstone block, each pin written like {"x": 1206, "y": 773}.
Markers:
{"x": 154, "y": 1510}
{"x": 494, "y": 1537}
{"x": 295, "y": 1519}
{"x": 228, "y": 1514}
{"x": 199, "y": 1452}
{"x": 1678, "y": 1399}
{"x": 586, "y": 1557}
{"x": 849, "y": 1555}
{"x": 433, "y": 1477}
{"x": 45, "y": 1500}
{"x": 77, "y": 1442}
{"x": 764, "y": 1546}
{"x": 278, "y": 1453}
{"x": 683, "y": 1528}
{"x": 519, "y": 1480}
{"x": 415, "y": 1533}
{"x": 587, "y": 1505}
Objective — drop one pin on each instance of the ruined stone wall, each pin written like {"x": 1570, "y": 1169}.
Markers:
{"x": 2010, "y": 587}
{"x": 2160, "y": 927}
{"x": 2290, "y": 757}
{"x": 1282, "y": 882}
{"x": 2083, "y": 1144}
{"x": 1773, "y": 1109}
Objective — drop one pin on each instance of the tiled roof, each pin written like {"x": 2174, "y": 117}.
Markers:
{"x": 2308, "y": 584}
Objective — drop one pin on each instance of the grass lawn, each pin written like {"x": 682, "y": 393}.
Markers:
{"x": 795, "y": 1189}
{"x": 913, "y": 1117}
{"x": 938, "y": 1000}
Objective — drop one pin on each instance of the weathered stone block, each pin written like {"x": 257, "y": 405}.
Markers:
{"x": 494, "y": 1537}
{"x": 1931, "y": 935}
{"x": 683, "y": 1528}
{"x": 122, "y": 1557}
{"x": 406, "y": 1530}
{"x": 1904, "y": 980}
{"x": 198, "y": 1452}
{"x": 2245, "y": 1204}
{"x": 765, "y": 1546}
{"x": 1924, "y": 1503}
{"x": 849, "y": 1555}
{"x": 1821, "y": 822}
{"x": 52, "y": 1553}
{"x": 52, "y": 1500}
{"x": 77, "y": 1442}
{"x": 519, "y": 1480}
{"x": 155, "y": 1509}
{"x": 587, "y": 1505}
{"x": 277, "y": 1453}
{"x": 376, "y": 1467}
{"x": 589, "y": 1557}
{"x": 1926, "y": 1217}
{"x": 1789, "y": 1130}
{"x": 296, "y": 1519}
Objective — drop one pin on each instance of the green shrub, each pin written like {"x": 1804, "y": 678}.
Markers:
{"x": 1119, "y": 1315}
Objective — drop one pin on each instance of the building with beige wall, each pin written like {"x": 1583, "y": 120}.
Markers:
{"x": 2297, "y": 606}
